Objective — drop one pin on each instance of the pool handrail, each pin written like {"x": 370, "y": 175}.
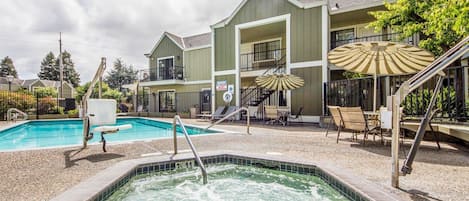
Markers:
{"x": 96, "y": 78}
{"x": 248, "y": 122}
{"x": 176, "y": 120}
{"x": 10, "y": 116}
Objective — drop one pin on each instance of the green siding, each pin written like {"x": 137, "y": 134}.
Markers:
{"x": 305, "y": 31}
{"x": 166, "y": 48}
{"x": 230, "y": 79}
{"x": 309, "y": 96}
{"x": 197, "y": 64}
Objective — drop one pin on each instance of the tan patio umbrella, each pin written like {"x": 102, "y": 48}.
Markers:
{"x": 280, "y": 82}
{"x": 380, "y": 58}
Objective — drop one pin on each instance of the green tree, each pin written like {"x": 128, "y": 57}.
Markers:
{"x": 43, "y": 92}
{"x": 50, "y": 69}
{"x": 440, "y": 23}
{"x": 121, "y": 74}
{"x": 7, "y": 68}
{"x": 107, "y": 92}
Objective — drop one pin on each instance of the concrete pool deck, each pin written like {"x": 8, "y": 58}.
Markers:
{"x": 437, "y": 175}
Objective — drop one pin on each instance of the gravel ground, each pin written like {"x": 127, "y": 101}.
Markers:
{"x": 437, "y": 175}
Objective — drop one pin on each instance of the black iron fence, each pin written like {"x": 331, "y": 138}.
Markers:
{"x": 174, "y": 102}
{"x": 452, "y": 102}
{"x": 395, "y": 37}
{"x": 32, "y": 105}
{"x": 261, "y": 60}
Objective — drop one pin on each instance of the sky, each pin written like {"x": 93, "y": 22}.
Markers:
{"x": 91, "y": 29}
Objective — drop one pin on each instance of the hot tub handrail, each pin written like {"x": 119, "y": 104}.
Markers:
{"x": 176, "y": 120}
{"x": 248, "y": 122}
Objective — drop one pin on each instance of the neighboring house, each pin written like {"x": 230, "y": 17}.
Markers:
{"x": 67, "y": 92}
{"x": 266, "y": 36}
{"x": 179, "y": 74}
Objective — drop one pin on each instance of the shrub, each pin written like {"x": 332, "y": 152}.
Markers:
{"x": 21, "y": 101}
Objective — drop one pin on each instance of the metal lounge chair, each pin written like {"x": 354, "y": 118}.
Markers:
{"x": 354, "y": 120}
{"x": 336, "y": 119}
{"x": 297, "y": 116}
{"x": 226, "y": 111}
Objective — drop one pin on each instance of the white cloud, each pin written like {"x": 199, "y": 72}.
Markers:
{"x": 95, "y": 28}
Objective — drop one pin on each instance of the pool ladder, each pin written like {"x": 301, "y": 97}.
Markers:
{"x": 176, "y": 120}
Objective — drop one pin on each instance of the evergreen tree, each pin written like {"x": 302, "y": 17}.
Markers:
{"x": 121, "y": 74}
{"x": 7, "y": 68}
{"x": 50, "y": 69}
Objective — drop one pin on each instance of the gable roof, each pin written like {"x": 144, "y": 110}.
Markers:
{"x": 305, "y": 4}
{"x": 351, "y": 5}
{"x": 344, "y": 6}
{"x": 47, "y": 83}
{"x": 185, "y": 43}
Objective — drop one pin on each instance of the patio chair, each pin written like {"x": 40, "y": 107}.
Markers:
{"x": 218, "y": 112}
{"x": 270, "y": 113}
{"x": 354, "y": 120}
{"x": 297, "y": 116}
{"x": 336, "y": 119}
{"x": 226, "y": 111}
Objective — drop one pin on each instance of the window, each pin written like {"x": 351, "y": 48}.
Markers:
{"x": 167, "y": 101}
{"x": 165, "y": 68}
{"x": 267, "y": 50}
{"x": 342, "y": 37}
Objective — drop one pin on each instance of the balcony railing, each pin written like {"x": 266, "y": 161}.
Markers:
{"x": 158, "y": 74}
{"x": 394, "y": 37}
{"x": 260, "y": 60}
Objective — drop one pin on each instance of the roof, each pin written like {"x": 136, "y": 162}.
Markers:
{"x": 47, "y": 83}
{"x": 188, "y": 42}
{"x": 351, "y": 5}
{"x": 343, "y": 6}
{"x": 4, "y": 80}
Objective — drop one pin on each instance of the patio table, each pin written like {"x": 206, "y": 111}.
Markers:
{"x": 283, "y": 114}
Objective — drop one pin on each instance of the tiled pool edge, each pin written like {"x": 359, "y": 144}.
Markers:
{"x": 107, "y": 181}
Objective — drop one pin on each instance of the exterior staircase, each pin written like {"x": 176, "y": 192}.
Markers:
{"x": 254, "y": 95}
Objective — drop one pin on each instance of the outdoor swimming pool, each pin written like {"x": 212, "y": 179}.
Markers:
{"x": 42, "y": 134}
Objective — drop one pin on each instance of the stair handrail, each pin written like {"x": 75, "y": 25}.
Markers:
{"x": 278, "y": 65}
{"x": 9, "y": 115}
{"x": 248, "y": 116}
{"x": 176, "y": 120}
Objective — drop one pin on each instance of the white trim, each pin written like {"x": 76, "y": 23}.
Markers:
{"x": 280, "y": 18}
{"x": 261, "y": 42}
{"x": 324, "y": 51}
{"x": 198, "y": 82}
{"x": 212, "y": 63}
{"x": 225, "y": 72}
{"x": 158, "y": 64}
{"x": 294, "y": 2}
{"x": 306, "y": 64}
{"x": 358, "y": 7}
{"x": 205, "y": 89}
{"x": 159, "y": 41}
{"x": 253, "y": 73}
{"x": 198, "y": 48}
{"x": 173, "y": 82}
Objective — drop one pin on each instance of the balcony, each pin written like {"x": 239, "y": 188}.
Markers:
{"x": 160, "y": 74}
{"x": 261, "y": 60}
{"x": 394, "y": 37}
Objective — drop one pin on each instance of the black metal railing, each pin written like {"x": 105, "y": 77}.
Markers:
{"x": 158, "y": 74}
{"x": 260, "y": 60}
{"x": 33, "y": 105}
{"x": 395, "y": 37}
{"x": 452, "y": 102}
{"x": 251, "y": 96}
{"x": 180, "y": 102}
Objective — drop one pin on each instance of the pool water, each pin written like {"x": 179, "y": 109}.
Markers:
{"x": 39, "y": 134}
{"x": 227, "y": 182}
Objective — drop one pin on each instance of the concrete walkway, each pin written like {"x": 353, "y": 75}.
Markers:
{"x": 437, "y": 175}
